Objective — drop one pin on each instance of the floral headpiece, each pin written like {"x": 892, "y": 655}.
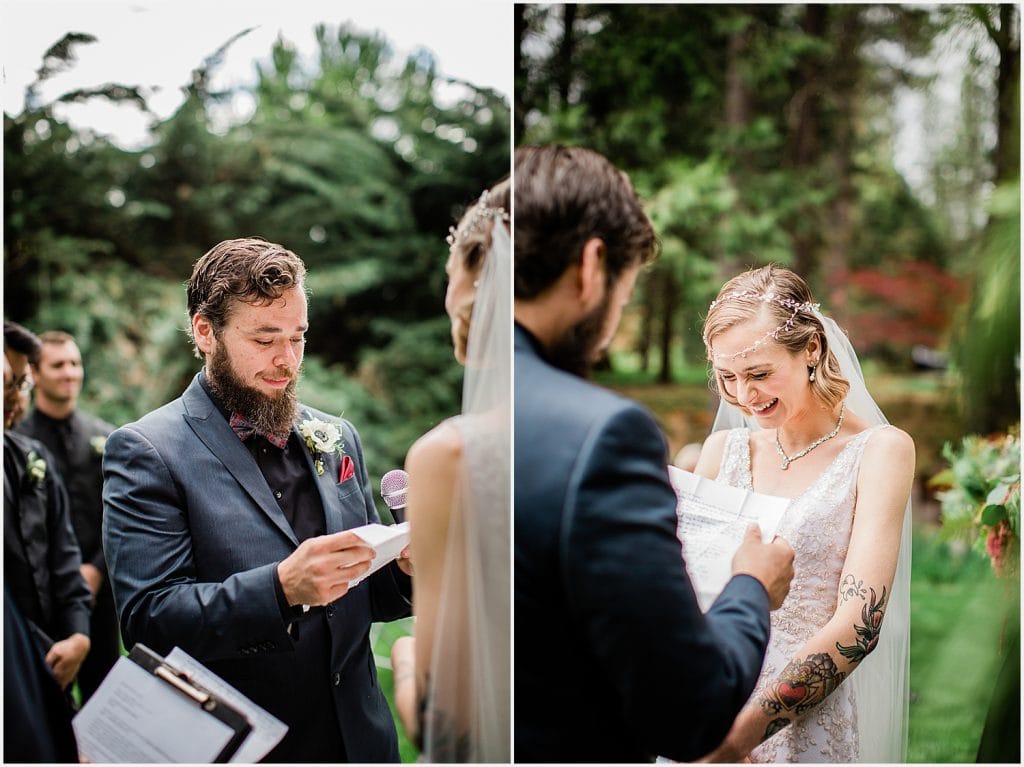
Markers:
{"x": 795, "y": 307}
{"x": 480, "y": 214}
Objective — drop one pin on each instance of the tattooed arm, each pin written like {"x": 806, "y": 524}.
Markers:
{"x": 834, "y": 652}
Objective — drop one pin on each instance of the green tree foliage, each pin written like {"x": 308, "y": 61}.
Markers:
{"x": 758, "y": 133}
{"x": 357, "y": 161}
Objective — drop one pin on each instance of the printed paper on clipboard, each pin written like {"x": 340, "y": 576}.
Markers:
{"x": 171, "y": 710}
{"x": 712, "y": 520}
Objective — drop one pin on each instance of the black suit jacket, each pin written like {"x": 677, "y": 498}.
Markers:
{"x": 614, "y": 660}
{"x": 79, "y": 459}
{"x": 193, "y": 536}
{"x": 41, "y": 557}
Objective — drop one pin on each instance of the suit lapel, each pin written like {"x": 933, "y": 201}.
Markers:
{"x": 326, "y": 485}
{"x": 339, "y": 511}
{"x": 215, "y": 432}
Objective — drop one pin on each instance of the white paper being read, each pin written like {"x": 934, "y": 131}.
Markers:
{"x": 386, "y": 540}
{"x": 713, "y": 518}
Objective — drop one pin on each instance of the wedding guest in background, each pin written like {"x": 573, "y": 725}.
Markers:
{"x": 797, "y": 421}
{"x": 42, "y": 562}
{"x": 76, "y": 440}
{"x": 452, "y": 683}
{"x": 228, "y": 515}
{"x": 615, "y": 662}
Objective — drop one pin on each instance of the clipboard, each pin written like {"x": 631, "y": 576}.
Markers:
{"x": 202, "y": 697}
{"x": 148, "y": 710}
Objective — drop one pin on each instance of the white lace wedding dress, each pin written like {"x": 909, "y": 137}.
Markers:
{"x": 817, "y": 525}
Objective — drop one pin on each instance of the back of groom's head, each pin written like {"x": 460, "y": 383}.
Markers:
{"x": 248, "y": 269}
{"x": 565, "y": 196}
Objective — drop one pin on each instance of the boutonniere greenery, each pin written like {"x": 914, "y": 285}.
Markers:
{"x": 98, "y": 444}
{"x": 36, "y": 468}
{"x": 322, "y": 438}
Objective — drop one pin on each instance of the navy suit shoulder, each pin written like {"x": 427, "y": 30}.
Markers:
{"x": 614, "y": 660}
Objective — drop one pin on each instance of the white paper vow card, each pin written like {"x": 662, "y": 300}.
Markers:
{"x": 387, "y": 540}
{"x": 713, "y": 518}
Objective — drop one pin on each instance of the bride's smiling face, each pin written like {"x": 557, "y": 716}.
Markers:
{"x": 770, "y": 382}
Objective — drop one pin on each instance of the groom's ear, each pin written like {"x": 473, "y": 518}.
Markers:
{"x": 202, "y": 332}
{"x": 592, "y": 275}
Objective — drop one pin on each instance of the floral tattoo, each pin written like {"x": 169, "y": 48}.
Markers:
{"x": 867, "y": 635}
{"x": 801, "y": 685}
{"x": 853, "y": 588}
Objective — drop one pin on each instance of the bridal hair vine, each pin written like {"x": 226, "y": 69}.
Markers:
{"x": 795, "y": 307}
{"x": 480, "y": 213}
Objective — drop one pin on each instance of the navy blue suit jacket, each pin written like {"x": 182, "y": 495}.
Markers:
{"x": 193, "y": 536}
{"x": 614, "y": 660}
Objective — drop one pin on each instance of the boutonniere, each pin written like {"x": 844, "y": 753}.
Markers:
{"x": 98, "y": 444}
{"x": 36, "y": 467}
{"x": 322, "y": 438}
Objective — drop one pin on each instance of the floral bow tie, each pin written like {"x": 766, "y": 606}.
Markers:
{"x": 245, "y": 430}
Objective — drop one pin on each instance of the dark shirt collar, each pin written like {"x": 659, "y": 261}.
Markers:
{"x": 49, "y": 419}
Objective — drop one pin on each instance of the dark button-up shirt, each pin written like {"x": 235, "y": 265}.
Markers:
{"x": 289, "y": 478}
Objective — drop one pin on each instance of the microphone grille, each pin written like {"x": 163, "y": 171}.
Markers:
{"x": 392, "y": 488}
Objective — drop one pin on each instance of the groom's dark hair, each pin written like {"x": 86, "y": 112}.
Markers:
{"x": 248, "y": 269}
{"x": 563, "y": 197}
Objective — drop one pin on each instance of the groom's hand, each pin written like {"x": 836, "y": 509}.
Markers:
{"x": 771, "y": 563}
{"x": 319, "y": 570}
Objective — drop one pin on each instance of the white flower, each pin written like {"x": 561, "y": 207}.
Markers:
{"x": 36, "y": 468}
{"x": 322, "y": 438}
{"x": 98, "y": 444}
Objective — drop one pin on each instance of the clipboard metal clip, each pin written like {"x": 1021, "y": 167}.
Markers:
{"x": 181, "y": 681}
{"x": 206, "y": 700}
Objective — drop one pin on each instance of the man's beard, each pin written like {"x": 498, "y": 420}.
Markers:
{"x": 576, "y": 350}
{"x": 269, "y": 415}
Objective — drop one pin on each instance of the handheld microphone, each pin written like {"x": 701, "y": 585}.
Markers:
{"x": 392, "y": 489}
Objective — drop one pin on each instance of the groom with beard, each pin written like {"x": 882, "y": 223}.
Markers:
{"x": 614, "y": 660}
{"x": 226, "y": 519}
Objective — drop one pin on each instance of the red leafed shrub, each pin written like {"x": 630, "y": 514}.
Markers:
{"x": 889, "y": 310}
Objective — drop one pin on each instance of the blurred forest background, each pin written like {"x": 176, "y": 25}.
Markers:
{"x": 354, "y": 163}
{"x": 874, "y": 149}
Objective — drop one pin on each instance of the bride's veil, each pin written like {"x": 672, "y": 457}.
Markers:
{"x": 882, "y": 681}
{"x": 470, "y": 669}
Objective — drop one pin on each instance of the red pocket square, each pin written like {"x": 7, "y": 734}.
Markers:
{"x": 348, "y": 469}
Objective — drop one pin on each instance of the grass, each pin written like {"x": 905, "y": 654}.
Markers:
{"x": 958, "y": 609}
{"x": 382, "y": 636}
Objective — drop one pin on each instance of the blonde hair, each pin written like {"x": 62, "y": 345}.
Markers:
{"x": 470, "y": 241}
{"x": 784, "y": 298}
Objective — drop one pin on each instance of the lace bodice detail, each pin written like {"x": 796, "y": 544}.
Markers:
{"x": 817, "y": 524}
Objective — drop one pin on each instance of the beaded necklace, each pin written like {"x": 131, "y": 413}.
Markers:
{"x": 787, "y": 459}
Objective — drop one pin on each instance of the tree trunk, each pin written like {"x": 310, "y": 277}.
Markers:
{"x": 846, "y": 67}
{"x": 803, "y": 146}
{"x": 1007, "y": 151}
{"x": 646, "y": 322}
{"x": 669, "y": 300}
{"x": 563, "y": 59}
{"x": 519, "y": 105}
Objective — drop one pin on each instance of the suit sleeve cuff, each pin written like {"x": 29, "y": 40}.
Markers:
{"x": 289, "y": 614}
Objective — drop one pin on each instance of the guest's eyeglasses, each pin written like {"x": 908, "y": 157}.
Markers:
{"x": 21, "y": 386}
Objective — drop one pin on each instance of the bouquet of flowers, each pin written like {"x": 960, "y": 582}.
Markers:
{"x": 981, "y": 496}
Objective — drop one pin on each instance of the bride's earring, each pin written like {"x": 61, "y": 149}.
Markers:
{"x": 811, "y": 376}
